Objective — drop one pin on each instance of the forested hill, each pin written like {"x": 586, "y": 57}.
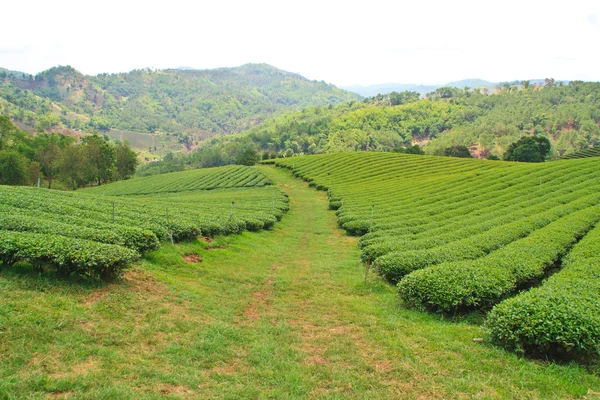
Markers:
{"x": 569, "y": 115}
{"x": 198, "y": 102}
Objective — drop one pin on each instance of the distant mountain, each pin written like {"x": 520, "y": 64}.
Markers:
{"x": 472, "y": 83}
{"x": 176, "y": 101}
{"x": 385, "y": 88}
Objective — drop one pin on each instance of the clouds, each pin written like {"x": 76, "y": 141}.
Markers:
{"x": 337, "y": 41}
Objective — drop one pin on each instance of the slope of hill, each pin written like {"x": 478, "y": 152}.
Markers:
{"x": 566, "y": 114}
{"x": 279, "y": 313}
{"x": 458, "y": 235}
{"x": 97, "y": 236}
{"x": 201, "y": 102}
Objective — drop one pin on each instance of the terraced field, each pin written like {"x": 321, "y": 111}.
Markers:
{"x": 93, "y": 234}
{"x": 233, "y": 176}
{"x": 285, "y": 312}
{"x": 458, "y": 235}
{"x": 591, "y": 152}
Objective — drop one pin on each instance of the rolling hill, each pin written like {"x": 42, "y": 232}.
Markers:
{"x": 197, "y": 102}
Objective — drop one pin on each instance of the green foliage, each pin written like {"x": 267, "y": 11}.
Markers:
{"x": 528, "y": 149}
{"x": 416, "y": 149}
{"x": 200, "y": 179}
{"x": 591, "y": 152}
{"x": 67, "y": 255}
{"x": 13, "y": 168}
{"x": 202, "y": 102}
{"x": 461, "y": 235}
{"x": 489, "y": 123}
{"x": 100, "y": 158}
{"x": 434, "y": 210}
{"x": 559, "y": 318}
{"x": 249, "y": 156}
{"x": 133, "y": 238}
{"x": 453, "y": 287}
{"x": 126, "y": 161}
{"x": 166, "y": 207}
{"x": 52, "y": 156}
{"x": 403, "y": 97}
{"x": 457, "y": 151}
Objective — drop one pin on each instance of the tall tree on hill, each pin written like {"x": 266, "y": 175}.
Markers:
{"x": 247, "y": 156}
{"x": 458, "y": 151}
{"x": 47, "y": 158}
{"x": 100, "y": 158}
{"x": 403, "y": 97}
{"x": 13, "y": 168}
{"x": 6, "y": 129}
{"x": 126, "y": 161}
{"x": 528, "y": 149}
{"x": 71, "y": 166}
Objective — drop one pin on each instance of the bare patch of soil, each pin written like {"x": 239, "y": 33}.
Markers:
{"x": 215, "y": 248}
{"x": 260, "y": 299}
{"x": 80, "y": 369}
{"x": 192, "y": 258}
{"x": 175, "y": 390}
{"x": 94, "y": 297}
{"x": 142, "y": 282}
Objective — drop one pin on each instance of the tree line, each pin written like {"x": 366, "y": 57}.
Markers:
{"x": 27, "y": 159}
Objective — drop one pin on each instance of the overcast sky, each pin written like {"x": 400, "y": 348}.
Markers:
{"x": 342, "y": 42}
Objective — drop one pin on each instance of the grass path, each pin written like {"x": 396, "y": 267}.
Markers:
{"x": 276, "y": 314}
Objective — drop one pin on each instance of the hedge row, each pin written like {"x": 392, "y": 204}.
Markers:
{"x": 452, "y": 287}
{"x": 561, "y": 318}
{"x": 474, "y": 226}
{"x": 69, "y": 256}
{"x": 177, "y": 182}
{"x": 136, "y": 239}
{"x": 395, "y": 265}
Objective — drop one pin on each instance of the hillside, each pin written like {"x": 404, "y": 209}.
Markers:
{"x": 486, "y": 123}
{"x": 463, "y": 235}
{"x": 288, "y": 311}
{"x": 198, "y": 102}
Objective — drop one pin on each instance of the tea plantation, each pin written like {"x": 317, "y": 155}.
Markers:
{"x": 458, "y": 235}
{"x": 94, "y": 234}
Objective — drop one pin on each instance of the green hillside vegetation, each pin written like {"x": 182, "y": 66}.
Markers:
{"x": 98, "y": 236}
{"x": 486, "y": 123}
{"x": 277, "y": 313}
{"x": 592, "y": 152}
{"x": 202, "y": 179}
{"x": 459, "y": 235}
{"x": 26, "y": 158}
{"x": 180, "y": 102}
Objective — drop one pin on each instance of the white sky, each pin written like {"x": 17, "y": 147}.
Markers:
{"x": 342, "y": 42}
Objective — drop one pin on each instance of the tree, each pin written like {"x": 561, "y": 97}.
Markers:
{"x": 47, "y": 158}
{"x": 248, "y": 156}
{"x": 100, "y": 158}
{"x": 528, "y": 149}
{"x": 458, "y": 151}
{"x": 126, "y": 161}
{"x": 416, "y": 149}
{"x": 35, "y": 172}
{"x": 72, "y": 166}
{"x": 403, "y": 97}
{"x": 13, "y": 168}
{"x": 6, "y": 129}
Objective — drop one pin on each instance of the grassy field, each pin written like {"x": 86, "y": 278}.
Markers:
{"x": 282, "y": 313}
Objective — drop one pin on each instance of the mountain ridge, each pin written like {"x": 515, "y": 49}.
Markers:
{"x": 175, "y": 101}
